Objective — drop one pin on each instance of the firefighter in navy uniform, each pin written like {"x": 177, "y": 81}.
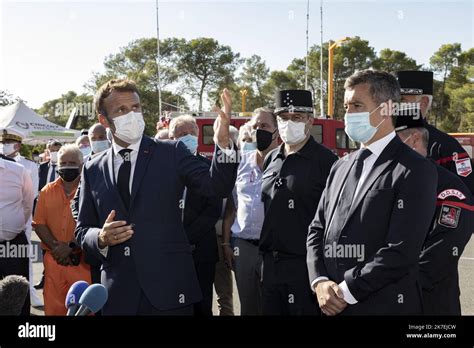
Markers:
{"x": 293, "y": 180}
{"x": 417, "y": 87}
{"x": 452, "y": 226}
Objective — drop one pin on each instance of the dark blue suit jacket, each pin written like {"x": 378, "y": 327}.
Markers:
{"x": 157, "y": 260}
{"x": 201, "y": 214}
{"x": 388, "y": 221}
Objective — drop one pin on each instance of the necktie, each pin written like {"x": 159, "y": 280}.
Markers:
{"x": 349, "y": 189}
{"x": 52, "y": 176}
{"x": 123, "y": 181}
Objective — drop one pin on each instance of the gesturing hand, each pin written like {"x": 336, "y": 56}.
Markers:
{"x": 222, "y": 123}
{"x": 114, "y": 232}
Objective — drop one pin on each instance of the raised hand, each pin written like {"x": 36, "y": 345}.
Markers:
{"x": 222, "y": 123}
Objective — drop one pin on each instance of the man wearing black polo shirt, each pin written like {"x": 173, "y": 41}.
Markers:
{"x": 293, "y": 180}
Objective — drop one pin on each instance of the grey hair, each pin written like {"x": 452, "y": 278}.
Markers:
{"x": 178, "y": 121}
{"x": 425, "y": 135}
{"x": 245, "y": 131}
{"x": 71, "y": 148}
{"x": 234, "y": 134}
{"x": 266, "y": 110}
{"x": 81, "y": 138}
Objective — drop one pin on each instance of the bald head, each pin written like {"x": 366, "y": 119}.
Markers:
{"x": 97, "y": 132}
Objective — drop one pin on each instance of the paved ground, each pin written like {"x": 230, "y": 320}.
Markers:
{"x": 466, "y": 270}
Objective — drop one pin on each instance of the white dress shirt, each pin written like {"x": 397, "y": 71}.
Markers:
{"x": 16, "y": 199}
{"x": 32, "y": 169}
{"x": 376, "y": 148}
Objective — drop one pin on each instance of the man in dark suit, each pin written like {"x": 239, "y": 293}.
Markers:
{"x": 200, "y": 215}
{"x": 451, "y": 229}
{"x": 371, "y": 222}
{"x": 129, "y": 212}
{"x": 47, "y": 170}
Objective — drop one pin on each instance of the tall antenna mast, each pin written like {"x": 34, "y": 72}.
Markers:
{"x": 321, "y": 101}
{"x": 307, "y": 47}
{"x": 158, "y": 57}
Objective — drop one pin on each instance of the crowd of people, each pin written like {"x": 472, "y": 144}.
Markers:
{"x": 377, "y": 232}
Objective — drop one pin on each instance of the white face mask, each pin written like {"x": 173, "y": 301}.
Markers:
{"x": 129, "y": 128}
{"x": 7, "y": 149}
{"x": 53, "y": 156}
{"x": 292, "y": 132}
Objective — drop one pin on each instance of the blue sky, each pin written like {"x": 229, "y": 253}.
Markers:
{"x": 50, "y": 47}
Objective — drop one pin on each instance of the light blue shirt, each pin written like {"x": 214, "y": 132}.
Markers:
{"x": 247, "y": 196}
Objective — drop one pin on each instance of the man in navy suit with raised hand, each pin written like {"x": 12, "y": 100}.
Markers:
{"x": 129, "y": 206}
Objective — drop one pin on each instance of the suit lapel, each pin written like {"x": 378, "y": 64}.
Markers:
{"x": 341, "y": 178}
{"x": 144, "y": 155}
{"x": 382, "y": 162}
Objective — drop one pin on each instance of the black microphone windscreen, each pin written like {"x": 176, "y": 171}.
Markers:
{"x": 13, "y": 292}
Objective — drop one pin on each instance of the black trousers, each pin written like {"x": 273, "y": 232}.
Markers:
{"x": 17, "y": 265}
{"x": 206, "y": 272}
{"x": 286, "y": 287}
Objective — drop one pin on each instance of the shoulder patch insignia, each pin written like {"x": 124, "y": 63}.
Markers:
{"x": 463, "y": 167}
{"x": 449, "y": 216}
{"x": 451, "y": 193}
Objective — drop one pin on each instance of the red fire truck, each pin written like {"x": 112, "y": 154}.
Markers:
{"x": 466, "y": 140}
{"x": 325, "y": 131}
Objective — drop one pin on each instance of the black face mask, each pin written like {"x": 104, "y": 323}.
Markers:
{"x": 264, "y": 139}
{"x": 68, "y": 174}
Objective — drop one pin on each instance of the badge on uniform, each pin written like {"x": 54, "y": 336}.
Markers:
{"x": 449, "y": 216}
{"x": 451, "y": 193}
{"x": 464, "y": 167}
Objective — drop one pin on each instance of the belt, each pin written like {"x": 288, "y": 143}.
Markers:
{"x": 22, "y": 233}
{"x": 255, "y": 242}
{"x": 281, "y": 255}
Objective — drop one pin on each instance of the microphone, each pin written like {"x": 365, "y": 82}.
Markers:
{"x": 73, "y": 295}
{"x": 92, "y": 300}
{"x": 13, "y": 292}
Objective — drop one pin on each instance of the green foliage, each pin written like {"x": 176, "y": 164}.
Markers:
{"x": 200, "y": 68}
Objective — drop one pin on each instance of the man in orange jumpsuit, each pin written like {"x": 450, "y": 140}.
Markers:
{"x": 54, "y": 224}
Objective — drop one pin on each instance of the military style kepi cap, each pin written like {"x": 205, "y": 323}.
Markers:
{"x": 293, "y": 100}
{"x": 415, "y": 82}
{"x": 408, "y": 118}
{"x": 11, "y": 134}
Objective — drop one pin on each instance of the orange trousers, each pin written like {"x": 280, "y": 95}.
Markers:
{"x": 57, "y": 281}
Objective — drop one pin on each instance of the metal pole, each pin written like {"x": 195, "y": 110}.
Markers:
{"x": 158, "y": 57}
{"x": 321, "y": 101}
{"x": 307, "y": 47}
{"x": 330, "y": 79}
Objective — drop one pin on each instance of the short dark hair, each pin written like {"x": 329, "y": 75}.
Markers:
{"x": 121, "y": 85}
{"x": 383, "y": 86}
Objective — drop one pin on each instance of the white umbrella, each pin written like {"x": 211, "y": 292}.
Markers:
{"x": 37, "y": 129}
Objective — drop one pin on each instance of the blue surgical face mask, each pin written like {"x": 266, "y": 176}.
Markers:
{"x": 100, "y": 145}
{"x": 86, "y": 151}
{"x": 191, "y": 142}
{"x": 247, "y": 147}
{"x": 358, "y": 126}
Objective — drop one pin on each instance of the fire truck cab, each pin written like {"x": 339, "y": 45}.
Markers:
{"x": 466, "y": 140}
